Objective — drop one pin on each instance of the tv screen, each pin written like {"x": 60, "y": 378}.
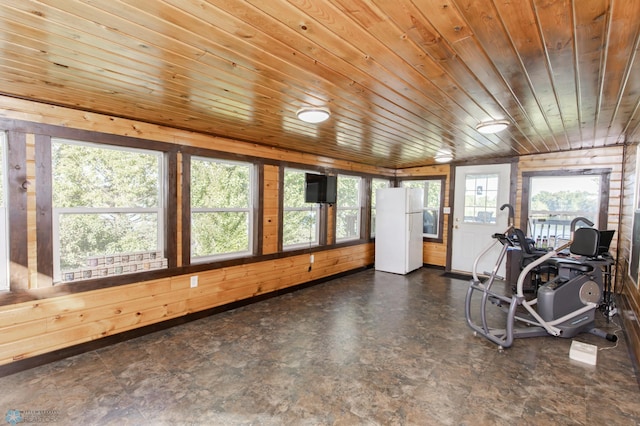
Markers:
{"x": 320, "y": 188}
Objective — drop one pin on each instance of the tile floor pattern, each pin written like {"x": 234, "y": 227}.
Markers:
{"x": 369, "y": 349}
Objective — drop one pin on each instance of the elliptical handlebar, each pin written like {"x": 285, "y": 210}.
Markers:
{"x": 512, "y": 214}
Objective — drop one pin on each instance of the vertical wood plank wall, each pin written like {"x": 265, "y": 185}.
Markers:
{"x": 434, "y": 253}
{"x": 270, "y": 212}
{"x": 630, "y": 309}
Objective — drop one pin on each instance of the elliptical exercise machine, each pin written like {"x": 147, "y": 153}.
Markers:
{"x": 563, "y": 307}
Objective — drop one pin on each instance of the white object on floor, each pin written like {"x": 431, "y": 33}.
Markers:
{"x": 583, "y": 352}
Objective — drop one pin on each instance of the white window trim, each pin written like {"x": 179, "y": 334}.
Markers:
{"x": 357, "y": 209}
{"x": 158, "y": 210}
{"x": 312, "y": 207}
{"x": 249, "y": 210}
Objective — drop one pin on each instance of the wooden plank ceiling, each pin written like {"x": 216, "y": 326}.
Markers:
{"x": 403, "y": 79}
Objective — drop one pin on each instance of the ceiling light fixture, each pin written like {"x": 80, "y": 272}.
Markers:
{"x": 495, "y": 126}
{"x": 443, "y": 158}
{"x": 313, "y": 115}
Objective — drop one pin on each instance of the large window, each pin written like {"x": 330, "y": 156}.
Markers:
{"x": 300, "y": 220}
{"x": 432, "y": 204}
{"x": 555, "y": 201}
{"x": 349, "y": 204}
{"x": 375, "y": 185}
{"x": 108, "y": 210}
{"x": 221, "y": 208}
{"x": 4, "y": 234}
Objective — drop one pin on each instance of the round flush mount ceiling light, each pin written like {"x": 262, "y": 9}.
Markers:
{"x": 495, "y": 126}
{"x": 443, "y": 157}
{"x": 313, "y": 115}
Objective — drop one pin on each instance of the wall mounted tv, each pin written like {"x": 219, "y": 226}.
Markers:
{"x": 320, "y": 188}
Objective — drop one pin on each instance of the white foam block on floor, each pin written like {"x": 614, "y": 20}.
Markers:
{"x": 583, "y": 352}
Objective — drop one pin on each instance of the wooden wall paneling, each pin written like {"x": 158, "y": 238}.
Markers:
{"x": 185, "y": 207}
{"x": 18, "y": 109}
{"x": 30, "y": 188}
{"x": 629, "y": 303}
{"x": 17, "y": 194}
{"x": 258, "y": 210}
{"x": 44, "y": 210}
{"x": 171, "y": 209}
{"x": 271, "y": 207}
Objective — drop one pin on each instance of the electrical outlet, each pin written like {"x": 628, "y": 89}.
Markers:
{"x": 194, "y": 281}
{"x": 311, "y": 258}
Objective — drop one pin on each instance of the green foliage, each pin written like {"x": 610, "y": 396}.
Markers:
{"x": 565, "y": 201}
{"x": 216, "y": 184}
{"x": 294, "y": 182}
{"x": 85, "y": 235}
{"x": 86, "y": 177}
{"x": 375, "y": 185}
{"x": 299, "y": 226}
{"x": 348, "y": 191}
{"x": 219, "y": 233}
{"x": 347, "y": 217}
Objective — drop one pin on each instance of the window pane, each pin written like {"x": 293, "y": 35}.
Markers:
{"x": 348, "y": 191}
{"x": 431, "y": 199}
{"x": 90, "y": 176}
{"x": 299, "y": 227}
{"x": 221, "y": 208}
{"x": 294, "y": 185}
{"x": 348, "y": 210}
{"x": 217, "y": 184}
{"x": 481, "y": 198}
{"x": 375, "y": 185}
{"x": 432, "y": 194}
{"x": 300, "y": 220}
{"x": 219, "y": 233}
{"x": 347, "y": 225}
{"x": 83, "y": 236}
{"x": 557, "y": 200}
{"x": 107, "y": 210}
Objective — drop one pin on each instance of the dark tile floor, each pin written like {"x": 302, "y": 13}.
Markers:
{"x": 369, "y": 349}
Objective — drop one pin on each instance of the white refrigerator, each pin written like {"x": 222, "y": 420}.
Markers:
{"x": 398, "y": 230}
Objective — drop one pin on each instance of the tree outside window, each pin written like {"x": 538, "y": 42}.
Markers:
{"x": 375, "y": 185}
{"x": 300, "y": 227}
{"x": 108, "y": 210}
{"x": 555, "y": 201}
{"x": 221, "y": 208}
{"x": 349, "y": 203}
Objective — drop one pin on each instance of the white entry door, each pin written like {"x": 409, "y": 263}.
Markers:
{"x": 480, "y": 191}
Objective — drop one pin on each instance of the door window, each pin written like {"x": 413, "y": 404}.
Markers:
{"x": 481, "y": 198}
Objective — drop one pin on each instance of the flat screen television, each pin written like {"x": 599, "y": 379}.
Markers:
{"x": 320, "y": 188}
